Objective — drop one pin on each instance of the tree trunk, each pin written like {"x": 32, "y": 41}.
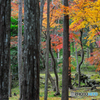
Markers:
{"x": 82, "y": 53}
{"x": 55, "y": 72}
{"x": 47, "y": 53}
{"x": 10, "y": 83}
{"x": 51, "y": 65}
{"x": 41, "y": 14}
{"x": 31, "y": 61}
{"x": 87, "y": 53}
{"x": 91, "y": 49}
{"x": 20, "y": 46}
{"x": 41, "y": 19}
{"x": 43, "y": 61}
{"x": 76, "y": 57}
{"x": 52, "y": 82}
{"x": 10, "y": 80}
{"x": 5, "y": 14}
{"x": 65, "y": 82}
{"x": 5, "y": 11}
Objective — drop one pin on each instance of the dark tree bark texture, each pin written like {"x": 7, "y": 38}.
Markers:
{"x": 20, "y": 45}
{"x": 47, "y": 53}
{"x": 5, "y": 13}
{"x": 65, "y": 82}
{"x": 30, "y": 88}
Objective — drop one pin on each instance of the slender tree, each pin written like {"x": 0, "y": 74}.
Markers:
{"x": 30, "y": 87}
{"x": 55, "y": 71}
{"x": 47, "y": 53}
{"x": 65, "y": 55}
{"x": 10, "y": 80}
{"x": 20, "y": 45}
{"x": 5, "y": 13}
{"x": 82, "y": 55}
{"x": 76, "y": 57}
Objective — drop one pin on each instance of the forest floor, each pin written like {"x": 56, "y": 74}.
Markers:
{"x": 51, "y": 92}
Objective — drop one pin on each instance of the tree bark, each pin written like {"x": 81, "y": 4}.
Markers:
{"x": 31, "y": 61}
{"x": 5, "y": 14}
{"x": 47, "y": 52}
{"x": 65, "y": 82}
{"x": 20, "y": 46}
{"x": 41, "y": 19}
{"x": 82, "y": 53}
{"x": 10, "y": 80}
{"x": 55, "y": 72}
{"x": 41, "y": 14}
{"x": 91, "y": 49}
{"x": 43, "y": 61}
{"x": 76, "y": 57}
{"x": 87, "y": 53}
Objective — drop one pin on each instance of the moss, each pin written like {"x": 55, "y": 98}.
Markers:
{"x": 95, "y": 76}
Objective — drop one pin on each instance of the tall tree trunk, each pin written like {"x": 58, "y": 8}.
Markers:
{"x": 10, "y": 80}
{"x": 65, "y": 82}
{"x": 41, "y": 19}
{"x": 20, "y": 46}
{"x": 55, "y": 72}
{"x": 51, "y": 65}
{"x": 76, "y": 57}
{"x": 31, "y": 61}
{"x": 5, "y": 14}
{"x": 47, "y": 53}
{"x": 82, "y": 53}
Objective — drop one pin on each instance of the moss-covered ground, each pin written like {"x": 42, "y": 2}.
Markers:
{"x": 51, "y": 92}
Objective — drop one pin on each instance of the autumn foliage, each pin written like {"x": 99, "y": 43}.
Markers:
{"x": 95, "y": 59}
{"x": 83, "y": 14}
{"x": 15, "y": 9}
